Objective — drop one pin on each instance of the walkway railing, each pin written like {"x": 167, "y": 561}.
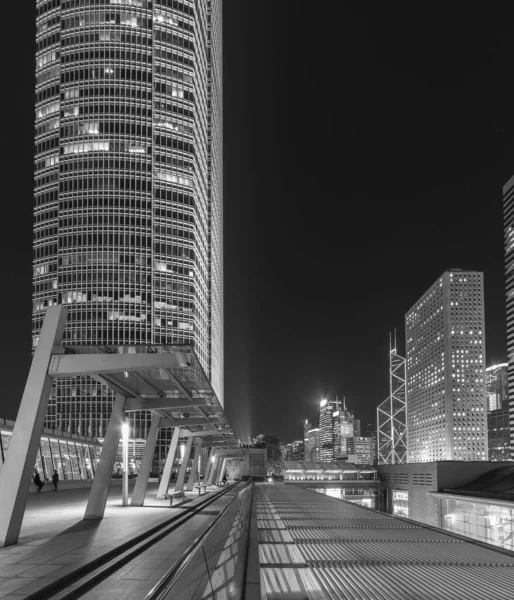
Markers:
{"x": 214, "y": 566}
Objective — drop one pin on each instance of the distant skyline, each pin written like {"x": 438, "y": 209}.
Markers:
{"x": 359, "y": 164}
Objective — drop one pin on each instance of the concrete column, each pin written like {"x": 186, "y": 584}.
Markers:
{"x": 97, "y": 500}
{"x": 183, "y": 467}
{"x": 168, "y": 465}
{"x": 194, "y": 467}
{"x": 17, "y": 472}
{"x": 208, "y": 466}
{"x": 213, "y": 469}
{"x": 218, "y": 468}
{"x": 139, "y": 493}
{"x": 222, "y": 470}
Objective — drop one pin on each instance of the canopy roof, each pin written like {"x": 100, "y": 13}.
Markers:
{"x": 168, "y": 380}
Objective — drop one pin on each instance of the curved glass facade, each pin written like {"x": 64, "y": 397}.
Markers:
{"x": 128, "y": 184}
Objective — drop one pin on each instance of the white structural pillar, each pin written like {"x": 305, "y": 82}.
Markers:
{"x": 213, "y": 469}
{"x": 179, "y": 486}
{"x": 18, "y": 469}
{"x": 97, "y": 500}
{"x": 194, "y": 466}
{"x": 168, "y": 466}
{"x": 139, "y": 493}
{"x": 208, "y": 466}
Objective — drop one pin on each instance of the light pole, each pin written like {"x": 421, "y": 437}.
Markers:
{"x": 125, "y": 437}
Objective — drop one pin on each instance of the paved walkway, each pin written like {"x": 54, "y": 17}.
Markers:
{"x": 55, "y": 540}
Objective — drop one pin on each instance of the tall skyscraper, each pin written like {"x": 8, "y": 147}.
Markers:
{"x": 497, "y": 385}
{"x": 508, "y": 228}
{"x": 312, "y": 446}
{"x": 343, "y": 430}
{"x": 128, "y": 209}
{"x": 392, "y": 414}
{"x": 327, "y": 408}
{"x": 446, "y": 395}
{"x": 307, "y": 426}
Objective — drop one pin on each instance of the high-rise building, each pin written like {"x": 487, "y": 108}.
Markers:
{"x": 498, "y": 434}
{"x": 306, "y": 428}
{"x": 297, "y": 450}
{"x": 497, "y": 385}
{"x": 498, "y": 427}
{"x": 343, "y": 429}
{"x": 357, "y": 427}
{"x": 128, "y": 185}
{"x": 328, "y": 434}
{"x": 446, "y": 395}
{"x": 508, "y": 227}
{"x": 392, "y": 414}
{"x": 360, "y": 450}
{"x": 312, "y": 447}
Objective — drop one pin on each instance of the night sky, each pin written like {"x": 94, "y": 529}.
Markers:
{"x": 365, "y": 153}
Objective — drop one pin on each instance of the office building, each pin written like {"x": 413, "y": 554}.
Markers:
{"x": 498, "y": 426}
{"x": 128, "y": 186}
{"x": 392, "y": 414}
{"x": 498, "y": 434}
{"x": 508, "y": 225}
{"x": 307, "y": 426}
{"x": 446, "y": 394}
{"x": 343, "y": 430}
{"x": 312, "y": 447}
{"x": 360, "y": 450}
{"x": 497, "y": 385}
{"x": 329, "y": 434}
{"x": 297, "y": 450}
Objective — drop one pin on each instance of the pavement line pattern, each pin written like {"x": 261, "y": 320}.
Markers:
{"x": 313, "y": 547}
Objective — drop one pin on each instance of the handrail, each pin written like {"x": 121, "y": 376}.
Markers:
{"x": 162, "y": 587}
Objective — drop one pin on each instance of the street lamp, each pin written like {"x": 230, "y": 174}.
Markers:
{"x": 125, "y": 438}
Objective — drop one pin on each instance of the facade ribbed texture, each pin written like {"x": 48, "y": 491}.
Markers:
{"x": 446, "y": 393}
{"x": 128, "y": 185}
{"x": 508, "y": 224}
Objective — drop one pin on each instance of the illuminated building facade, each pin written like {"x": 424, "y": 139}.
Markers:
{"x": 343, "y": 430}
{"x": 128, "y": 185}
{"x": 446, "y": 392}
{"x": 328, "y": 432}
{"x": 508, "y": 225}
{"x": 307, "y": 426}
{"x": 392, "y": 414}
{"x": 312, "y": 446}
{"x": 360, "y": 450}
{"x": 497, "y": 384}
{"x": 498, "y": 426}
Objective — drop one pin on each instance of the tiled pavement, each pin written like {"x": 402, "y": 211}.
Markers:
{"x": 55, "y": 541}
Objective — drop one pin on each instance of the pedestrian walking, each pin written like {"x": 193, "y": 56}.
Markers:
{"x": 224, "y": 480}
{"x": 55, "y": 479}
{"x": 38, "y": 482}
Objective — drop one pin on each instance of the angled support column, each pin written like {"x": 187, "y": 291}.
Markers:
{"x": 222, "y": 470}
{"x": 168, "y": 465}
{"x": 18, "y": 469}
{"x": 183, "y": 467}
{"x": 213, "y": 469}
{"x": 97, "y": 500}
{"x": 139, "y": 493}
{"x": 194, "y": 467}
{"x": 208, "y": 466}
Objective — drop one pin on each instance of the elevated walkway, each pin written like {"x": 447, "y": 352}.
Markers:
{"x": 56, "y": 542}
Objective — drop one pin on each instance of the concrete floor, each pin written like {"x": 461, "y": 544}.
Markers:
{"x": 55, "y": 540}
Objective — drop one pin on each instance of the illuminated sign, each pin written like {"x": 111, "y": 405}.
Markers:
{"x": 323, "y": 403}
